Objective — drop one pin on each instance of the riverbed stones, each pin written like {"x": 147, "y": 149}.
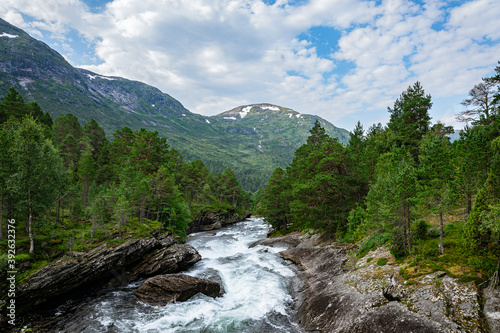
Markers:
{"x": 170, "y": 288}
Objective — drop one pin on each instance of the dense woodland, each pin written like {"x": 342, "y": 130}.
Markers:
{"x": 436, "y": 203}
{"x": 69, "y": 188}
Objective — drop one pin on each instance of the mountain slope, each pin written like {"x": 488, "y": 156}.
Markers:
{"x": 260, "y": 138}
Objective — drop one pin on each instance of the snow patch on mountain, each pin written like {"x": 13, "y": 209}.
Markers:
{"x": 4, "y": 34}
{"x": 272, "y": 108}
{"x": 245, "y": 111}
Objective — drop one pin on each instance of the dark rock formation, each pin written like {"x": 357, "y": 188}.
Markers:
{"x": 285, "y": 241}
{"x": 209, "y": 220}
{"x": 104, "y": 267}
{"x": 342, "y": 294}
{"x": 170, "y": 288}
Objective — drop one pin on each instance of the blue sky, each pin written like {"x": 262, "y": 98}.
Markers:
{"x": 345, "y": 60}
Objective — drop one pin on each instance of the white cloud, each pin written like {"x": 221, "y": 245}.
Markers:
{"x": 216, "y": 55}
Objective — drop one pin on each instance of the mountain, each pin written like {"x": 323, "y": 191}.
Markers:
{"x": 253, "y": 139}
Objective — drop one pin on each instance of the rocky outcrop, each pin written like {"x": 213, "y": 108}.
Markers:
{"x": 171, "y": 288}
{"x": 492, "y": 308}
{"x": 105, "y": 266}
{"x": 342, "y": 294}
{"x": 210, "y": 220}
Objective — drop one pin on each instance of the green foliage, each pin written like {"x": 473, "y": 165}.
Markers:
{"x": 382, "y": 261}
{"x": 355, "y": 221}
{"x": 421, "y": 230}
{"x": 410, "y": 117}
{"x": 373, "y": 242}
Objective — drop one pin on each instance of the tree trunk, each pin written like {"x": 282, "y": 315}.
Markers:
{"x": 58, "y": 210}
{"x": 441, "y": 231}
{"x": 408, "y": 224}
{"x": 30, "y": 230}
{"x": 1, "y": 214}
{"x": 404, "y": 238}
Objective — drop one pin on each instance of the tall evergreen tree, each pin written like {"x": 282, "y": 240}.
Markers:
{"x": 410, "y": 118}
{"x": 436, "y": 174}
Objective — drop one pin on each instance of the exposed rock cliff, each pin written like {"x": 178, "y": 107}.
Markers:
{"x": 340, "y": 294}
{"x": 105, "y": 266}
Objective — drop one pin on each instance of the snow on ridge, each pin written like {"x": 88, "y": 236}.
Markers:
{"x": 230, "y": 118}
{"x": 4, "y": 34}
{"x": 207, "y": 121}
{"x": 245, "y": 111}
{"x": 272, "y": 108}
{"x": 92, "y": 77}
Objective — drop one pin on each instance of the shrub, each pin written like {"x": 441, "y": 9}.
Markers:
{"x": 375, "y": 240}
{"x": 382, "y": 261}
{"x": 421, "y": 228}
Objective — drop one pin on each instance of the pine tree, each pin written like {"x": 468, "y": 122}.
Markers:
{"x": 410, "y": 118}
{"x": 436, "y": 173}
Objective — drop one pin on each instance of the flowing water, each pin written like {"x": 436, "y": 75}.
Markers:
{"x": 256, "y": 281}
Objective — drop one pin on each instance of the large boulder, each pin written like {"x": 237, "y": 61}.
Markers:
{"x": 171, "y": 288}
{"x": 105, "y": 266}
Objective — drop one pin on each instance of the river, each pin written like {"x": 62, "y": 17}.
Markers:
{"x": 257, "y": 284}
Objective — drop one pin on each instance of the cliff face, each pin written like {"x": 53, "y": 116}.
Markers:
{"x": 342, "y": 294}
{"x": 105, "y": 266}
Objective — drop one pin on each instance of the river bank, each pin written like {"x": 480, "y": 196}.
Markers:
{"x": 342, "y": 294}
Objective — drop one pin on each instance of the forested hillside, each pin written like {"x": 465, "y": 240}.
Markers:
{"x": 435, "y": 203}
{"x": 65, "y": 188}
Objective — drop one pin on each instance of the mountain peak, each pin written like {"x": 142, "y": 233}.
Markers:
{"x": 241, "y": 112}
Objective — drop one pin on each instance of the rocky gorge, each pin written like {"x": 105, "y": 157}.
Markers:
{"x": 339, "y": 293}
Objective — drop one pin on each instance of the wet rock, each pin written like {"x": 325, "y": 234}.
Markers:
{"x": 214, "y": 275}
{"x": 104, "y": 267}
{"x": 285, "y": 241}
{"x": 170, "y": 288}
{"x": 210, "y": 220}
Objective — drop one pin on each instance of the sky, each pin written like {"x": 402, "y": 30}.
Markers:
{"x": 344, "y": 60}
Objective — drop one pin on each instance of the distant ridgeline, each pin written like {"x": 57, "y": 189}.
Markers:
{"x": 253, "y": 140}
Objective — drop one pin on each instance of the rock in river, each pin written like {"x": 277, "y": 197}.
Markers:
{"x": 170, "y": 288}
